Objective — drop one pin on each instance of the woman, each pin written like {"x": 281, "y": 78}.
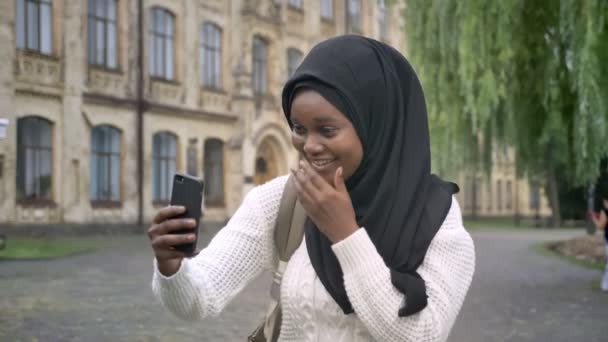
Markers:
{"x": 385, "y": 256}
{"x": 601, "y": 222}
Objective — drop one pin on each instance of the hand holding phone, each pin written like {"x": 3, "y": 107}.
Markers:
{"x": 188, "y": 192}
{"x": 174, "y": 231}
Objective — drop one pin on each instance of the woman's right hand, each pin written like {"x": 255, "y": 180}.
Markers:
{"x": 163, "y": 238}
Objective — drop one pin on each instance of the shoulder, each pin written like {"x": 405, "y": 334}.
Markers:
{"x": 267, "y": 196}
{"x": 452, "y": 232}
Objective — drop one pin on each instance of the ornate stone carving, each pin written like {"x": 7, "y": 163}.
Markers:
{"x": 214, "y": 101}
{"x": 106, "y": 82}
{"x": 38, "y": 69}
{"x": 164, "y": 92}
{"x": 268, "y": 10}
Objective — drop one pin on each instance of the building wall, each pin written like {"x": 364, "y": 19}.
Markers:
{"x": 501, "y": 193}
{"x": 75, "y": 97}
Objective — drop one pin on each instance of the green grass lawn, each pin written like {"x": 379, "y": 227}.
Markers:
{"x": 31, "y": 248}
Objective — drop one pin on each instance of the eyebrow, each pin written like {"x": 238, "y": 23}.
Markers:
{"x": 320, "y": 120}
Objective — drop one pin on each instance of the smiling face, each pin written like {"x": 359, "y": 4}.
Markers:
{"x": 324, "y": 136}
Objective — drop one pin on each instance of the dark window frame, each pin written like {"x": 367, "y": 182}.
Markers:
{"x": 37, "y": 197}
{"x": 26, "y": 45}
{"x": 109, "y": 133}
{"x": 106, "y": 21}
{"x": 159, "y": 65}
{"x": 211, "y": 56}
{"x": 214, "y": 145}
{"x": 259, "y": 73}
{"x": 163, "y": 160}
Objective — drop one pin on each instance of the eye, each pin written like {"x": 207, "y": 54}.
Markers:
{"x": 328, "y": 131}
{"x": 298, "y": 129}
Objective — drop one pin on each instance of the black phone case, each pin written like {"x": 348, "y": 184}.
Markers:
{"x": 188, "y": 192}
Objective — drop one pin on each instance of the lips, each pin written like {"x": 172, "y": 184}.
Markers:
{"x": 321, "y": 164}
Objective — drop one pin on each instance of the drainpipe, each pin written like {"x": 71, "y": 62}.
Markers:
{"x": 140, "y": 112}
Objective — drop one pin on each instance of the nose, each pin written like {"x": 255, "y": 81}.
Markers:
{"x": 312, "y": 145}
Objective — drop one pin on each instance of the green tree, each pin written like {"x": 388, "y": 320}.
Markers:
{"x": 528, "y": 74}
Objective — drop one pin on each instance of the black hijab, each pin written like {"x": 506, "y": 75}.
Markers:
{"x": 395, "y": 197}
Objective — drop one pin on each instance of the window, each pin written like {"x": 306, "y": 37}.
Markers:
{"x": 161, "y": 43}
{"x": 468, "y": 194}
{"x": 353, "y": 16}
{"x": 508, "y": 194}
{"x": 498, "y": 195}
{"x": 34, "y": 29}
{"x": 34, "y": 159}
{"x": 102, "y": 46}
{"x": 260, "y": 60}
{"x": 214, "y": 172}
{"x": 534, "y": 196}
{"x": 382, "y": 19}
{"x": 164, "y": 155}
{"x": 294, "y": 57}
{"x": 327, "y": 9}
{"x": 477, "y": 187}
{"x": 489, "y": 195}
{"x": 211, "y": 56}
{"x": 192, "y": 160}
{"x": 295, "y": 3}
{"x": 105, "y": 164}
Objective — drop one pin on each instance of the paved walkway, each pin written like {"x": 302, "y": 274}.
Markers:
{"x": 516, "y": 295}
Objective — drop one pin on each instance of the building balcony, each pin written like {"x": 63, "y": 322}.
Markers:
{"x": 37, "y": 69}
{"x": 106, "y": 82}
{"x": 216, "y": 101}
{"x": 166, "y": 92}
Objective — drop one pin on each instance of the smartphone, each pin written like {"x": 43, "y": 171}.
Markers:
{"x": 188, "y": 192}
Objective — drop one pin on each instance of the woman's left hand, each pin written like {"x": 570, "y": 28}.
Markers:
{"x": 329, "y": 207}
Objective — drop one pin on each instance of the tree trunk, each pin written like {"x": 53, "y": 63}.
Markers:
{"x": 590, "y": 201}
{"x": 553, "y": 196}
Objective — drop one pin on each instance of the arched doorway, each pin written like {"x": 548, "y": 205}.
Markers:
{"x": 267, "y": 161}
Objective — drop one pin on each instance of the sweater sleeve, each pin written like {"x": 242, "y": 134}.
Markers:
{"x": 447, "y": 270}
{"x": 239, "y": 252}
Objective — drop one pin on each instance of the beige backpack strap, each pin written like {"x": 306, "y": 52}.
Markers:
{"x": 288, "y": 234}
{"x": 289, "y": 226}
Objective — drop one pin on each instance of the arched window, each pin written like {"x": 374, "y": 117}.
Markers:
{"x": 102, "y": 37}
{"x": 34, "y": 159}
{"x": 327, "y": 9}
{"x": 260, "y": 66}
{"x": 294, "y": 57}
{"x": 353, "y": 16}
{"x": 164, "y": 158}
{"x": 161, "y": 43}
{"x": 211, "y": 56}
{"x": 34, "y": 25}
{"x": 105, "y": 164}
{"x": 214, "y": 172}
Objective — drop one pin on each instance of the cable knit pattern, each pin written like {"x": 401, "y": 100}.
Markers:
{"x": 245, "y": 247}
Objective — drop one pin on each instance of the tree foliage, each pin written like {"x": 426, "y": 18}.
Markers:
{"x": 528, "y": 74}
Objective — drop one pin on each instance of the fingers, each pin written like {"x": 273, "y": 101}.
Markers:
{"x": 168, "y": 212}
{"x": 313, "y": 176}
{"x": 303, "y": 195}
{"x": 171, "y": 226}
{"x": 168, "y": 241}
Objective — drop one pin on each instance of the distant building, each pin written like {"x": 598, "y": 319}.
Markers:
{"x": 83, "y": 145}
{"x": 502, "y": 193}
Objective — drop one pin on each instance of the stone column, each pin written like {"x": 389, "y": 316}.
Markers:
{"x": 75, "y": 135}
{"x": 8, "y": 144}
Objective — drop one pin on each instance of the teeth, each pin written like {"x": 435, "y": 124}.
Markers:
{"x": 321, "y": 163}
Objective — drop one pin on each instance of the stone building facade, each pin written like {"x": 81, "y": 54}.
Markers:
{"x": 105, "y": 99}
{"x": 502, "y": 193}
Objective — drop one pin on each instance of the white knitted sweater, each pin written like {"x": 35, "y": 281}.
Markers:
{"x": 245, "y": 247}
